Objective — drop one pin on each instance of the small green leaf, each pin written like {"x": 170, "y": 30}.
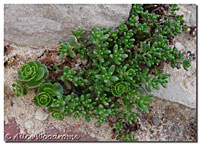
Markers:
{"x": 124, "y": 55}
{"x": 111, "y": 69}
{"x": 57, "y": 115}
{"x": 148, "y": 87}
{"x": 46, "y": 72}
{"x": 40, "y": 73}
{"x": 71, "y": 40}
{"x": 46, "y": 85}
{"x": 115, "y": 49}
{"x": 50, "y": 91}
{"x": 114, "y": 78}
{"x": 58, "y": 88}
{"x": 62, "y": 108}
{"x": 67, "y": 98}
{"x": 87, "y": 119}
{"x": 98, "y": 77}
{"x": 61, "y": 56}
{"x": 72, "y": 54}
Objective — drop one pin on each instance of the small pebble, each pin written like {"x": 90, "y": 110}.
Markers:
{"x": 148, "y": 126}
{"x": 156, "y": 120}
{"x": 29, "y": 124}
{"x": 40, "y": 114}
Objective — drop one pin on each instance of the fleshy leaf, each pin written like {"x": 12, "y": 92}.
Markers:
{"x": 72, "y": 53}
{"x": 40, "y": 73}
{"x": 50, "y": 91}
{"x": 58, "y": 88}
{"x": 46, "y": 72}
{"x": 114, "y": 78}
{"x": 46, "y": 85}
{"x": 34, "y": 84}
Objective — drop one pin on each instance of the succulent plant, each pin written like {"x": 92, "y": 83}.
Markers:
{"x": 33, "y": 73}
{"x": 107, "y": 75}
{"x": 47, "y": 92}
{"x": 67, "y": 47}
{"x": 119, "y": 89}
{"x": 121, "y": 62}
{"x": 57, "y": 115}
{"x": 43, "y": 99}
{"x": 19, "y": 89}
{"x": 118, "y": 55}
{"x": 70, "y": 75}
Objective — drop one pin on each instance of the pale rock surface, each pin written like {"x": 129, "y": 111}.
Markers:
{"x": 29, "y": 124}
{"x": 190, "y": 12}
{"x": 40, "y": 114}
{"x": 45, "y": 25}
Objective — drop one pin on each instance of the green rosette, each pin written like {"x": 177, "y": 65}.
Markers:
{"x": 33, "y": 73}
{"x": 119, "y": 89}
{"x": 43, "y": 99}
{"x": 17, "y": 89}
{"x": 47, "y": 92}
{"x": 57, "y": 115}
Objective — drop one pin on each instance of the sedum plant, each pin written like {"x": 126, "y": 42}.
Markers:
{"x": 31, "y": 75}
{"x": 57, "y": 115}
{"x": 119, "y": 88}
{"x": 47, "y": 93}
{"x": 19, "y": 88}
{"x": 67, "y": 47}
{"x": 70, "y": 75}
{"x": 123, "y": 66}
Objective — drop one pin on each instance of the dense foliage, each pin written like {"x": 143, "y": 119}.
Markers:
{"x": 120, "y": 62}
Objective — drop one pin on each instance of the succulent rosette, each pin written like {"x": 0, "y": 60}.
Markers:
{"x": 119, "y": 89}
{"x": 47, "y": 92}
{"x": 18, "y": 89}
{"x": 33, "y": 73}
{"x": 57, "y": 115}
{"x": 43, "y": 99}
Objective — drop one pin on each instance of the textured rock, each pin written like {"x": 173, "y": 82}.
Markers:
{"x": 44, "y": 25}
{"x": 190, "y": 12}
{"x": 41, "y": 115}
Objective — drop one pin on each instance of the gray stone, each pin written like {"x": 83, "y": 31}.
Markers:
{"x": 29, "y": 124}
{"x": 156, "y": 120}
{"x": 193, "y": 15}
{"x": 190, "y": 13}
{"x": 175, "y": 93}
{"x": 44, "y": 25}
{"x": 41, "y": 115}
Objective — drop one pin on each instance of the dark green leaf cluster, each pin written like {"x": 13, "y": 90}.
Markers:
{"x": 75, "y": 44}
{"x": 67, "y": 47}
{"x": 47, "y": 94}
{"x": 70, "y": 75}
{"x": 120, "y": 62}
{"x": 31, "y": 75}
{"x": 19, "y": 88}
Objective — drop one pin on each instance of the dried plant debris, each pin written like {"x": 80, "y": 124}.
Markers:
{"x": 7, "y": 49}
